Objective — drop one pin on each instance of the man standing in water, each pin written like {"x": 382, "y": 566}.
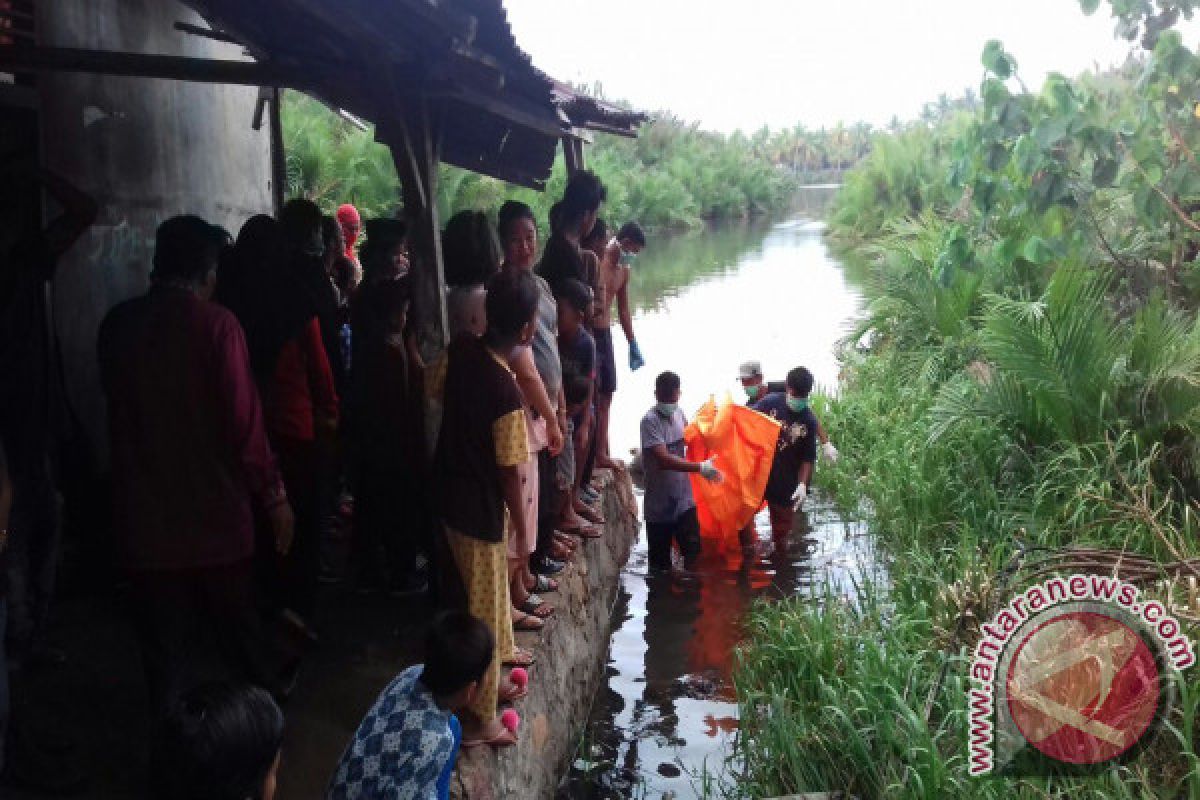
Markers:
{"x": 622, "y": 249}
{"x": 669, "y": 507}
{"x": 795, "y": 452}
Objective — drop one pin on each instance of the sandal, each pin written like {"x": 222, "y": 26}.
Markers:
{"x": 543, "y": 583}
{"x": 536, "y": 606}
{"x": 590, "y": 514}
{"x": 520, "y": 658}
{"x": 527, "y": 622}
{"x": 505, "y": 739}
{"x": 588, "y": 531}
{"x": 518, "y": 693}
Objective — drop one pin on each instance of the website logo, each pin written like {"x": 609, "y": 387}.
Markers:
{"x": 1077, "y": 668}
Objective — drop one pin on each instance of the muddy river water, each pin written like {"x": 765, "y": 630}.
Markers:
{"x": 665, "y": 719}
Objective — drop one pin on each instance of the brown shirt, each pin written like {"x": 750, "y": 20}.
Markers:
{"x": 483, "y": 430}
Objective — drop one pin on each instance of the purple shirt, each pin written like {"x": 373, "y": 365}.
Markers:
{"x": 189, "y": 451}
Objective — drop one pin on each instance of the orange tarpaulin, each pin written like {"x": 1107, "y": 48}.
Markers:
{"x": 743, "y": 443}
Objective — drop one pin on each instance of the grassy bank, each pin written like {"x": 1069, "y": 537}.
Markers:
{"x": 1032, "y": 376}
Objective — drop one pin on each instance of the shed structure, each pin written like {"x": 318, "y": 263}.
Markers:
{"x": 442, "y": 81}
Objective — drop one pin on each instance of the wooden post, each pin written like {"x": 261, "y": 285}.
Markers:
{"x": 573, "y": 154}
{"x": 278, "y": 151}
{"x": 416, "y": 158}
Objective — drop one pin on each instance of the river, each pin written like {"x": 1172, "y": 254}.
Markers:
{"x": 664, "y": 721}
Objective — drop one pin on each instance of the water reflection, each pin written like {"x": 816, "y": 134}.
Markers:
{"x": 671, "y": 264}
{"x": 668, "y": 714}
{"x": 705, "y": 302}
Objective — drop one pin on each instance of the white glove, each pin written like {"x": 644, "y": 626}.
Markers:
{"x": 709, "y": 471}
{"x": 829, "y": 452}
{"x": 799, "y": 496}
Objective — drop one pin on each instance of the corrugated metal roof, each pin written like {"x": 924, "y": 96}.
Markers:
{"x": 500, "y": 114}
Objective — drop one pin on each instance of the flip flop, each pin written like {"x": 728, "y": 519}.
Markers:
{"x": 542, "y": 583}
{"x": 505, "y": 739}
{"x": 535, "y": 605}
{"x": 588, "y": 531}
{"x": 591, "y": 515}
{"x": 520, "y": 658}
{"x": 519, "y": 694}
{"x": 528, "y": 622}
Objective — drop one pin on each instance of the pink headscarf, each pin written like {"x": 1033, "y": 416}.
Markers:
{"x": 351, "y": 222}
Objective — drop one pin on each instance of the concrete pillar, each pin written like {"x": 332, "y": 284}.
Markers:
{"x": 145, "y": 150}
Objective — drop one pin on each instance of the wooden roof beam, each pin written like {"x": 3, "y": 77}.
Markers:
{"x": 207, "y": 33}
{"x": 24, "y": 58}
{"x": 497, "y": 106}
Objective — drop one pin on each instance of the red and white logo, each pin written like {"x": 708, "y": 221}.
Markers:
{"x": 1083, "y": 687}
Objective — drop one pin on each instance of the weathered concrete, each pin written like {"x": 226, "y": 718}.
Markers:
{"x": 145, "y": 150}
{"x": 570, "y": 659}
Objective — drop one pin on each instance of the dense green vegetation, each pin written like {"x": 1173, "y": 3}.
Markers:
{"x": 1030, "y": 373}
{"x": 672, "y": 175}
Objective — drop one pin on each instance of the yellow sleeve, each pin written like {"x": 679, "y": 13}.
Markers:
{"x": 511, "y": 439}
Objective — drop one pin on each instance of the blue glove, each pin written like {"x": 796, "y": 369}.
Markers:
{"x": 636, "y": 361}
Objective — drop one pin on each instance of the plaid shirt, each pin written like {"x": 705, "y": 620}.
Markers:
{"x": 403, "y": 748}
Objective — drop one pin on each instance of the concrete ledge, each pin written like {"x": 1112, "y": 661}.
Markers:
{"x": 571, "y": 652}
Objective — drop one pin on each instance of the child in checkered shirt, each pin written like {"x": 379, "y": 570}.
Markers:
{"x": 407, "y": 744}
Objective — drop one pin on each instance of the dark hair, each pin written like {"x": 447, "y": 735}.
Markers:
{"x": 458, "y": 650}
{"x": 561, "y": 261}
{"x": 217, "y": 743}
{"x": 512, "y": 300}
{"x": 301, "y": 221}
{"x": 331, "y": 235}
{"x": 554, "y": 216}
{"x": 633, "y": 232}
{"x": 470, "y": 250}
{"x": 665, "y": 383}
{"x": 575, "y": 385}
{"x": 800, "y": 381}
{"x": 186, "y": 248}
{"x": 583, "y": 195}
{"x": 574, "y": 293}
{"x": 383, "y": 237}
{"x": 509, "y": 213}
{"x": 598, "y": 233}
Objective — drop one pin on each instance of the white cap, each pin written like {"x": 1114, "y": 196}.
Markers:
{"x": 751, "y": 369}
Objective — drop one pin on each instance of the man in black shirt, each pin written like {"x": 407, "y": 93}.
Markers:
{"x": 795, "y": 452}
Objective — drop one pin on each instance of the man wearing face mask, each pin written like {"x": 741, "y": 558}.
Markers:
{"x": 751, "y": 376}
{"x": 796, "y": 451}
{"x": 669, "y": 506}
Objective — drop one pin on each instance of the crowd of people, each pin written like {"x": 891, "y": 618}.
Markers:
{"x": 271, "y": 386}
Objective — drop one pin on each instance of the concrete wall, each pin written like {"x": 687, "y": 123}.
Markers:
{"x": 571, "y": 654}
{"x": 145, "y": 150}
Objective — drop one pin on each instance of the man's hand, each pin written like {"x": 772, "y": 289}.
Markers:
{"x": 799, "y": 496}
{"x": 636, "y": 361}
{"x": 829, "y": 452}
{"x": 710, "y": 473}
{"x": 554, "y": 434}
{"x": 283, "y": 525}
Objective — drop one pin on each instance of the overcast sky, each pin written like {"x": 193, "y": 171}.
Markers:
{"x": 745, "y": 63}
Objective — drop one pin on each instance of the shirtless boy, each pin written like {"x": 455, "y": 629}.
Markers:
{"x": 614, "y": 280}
